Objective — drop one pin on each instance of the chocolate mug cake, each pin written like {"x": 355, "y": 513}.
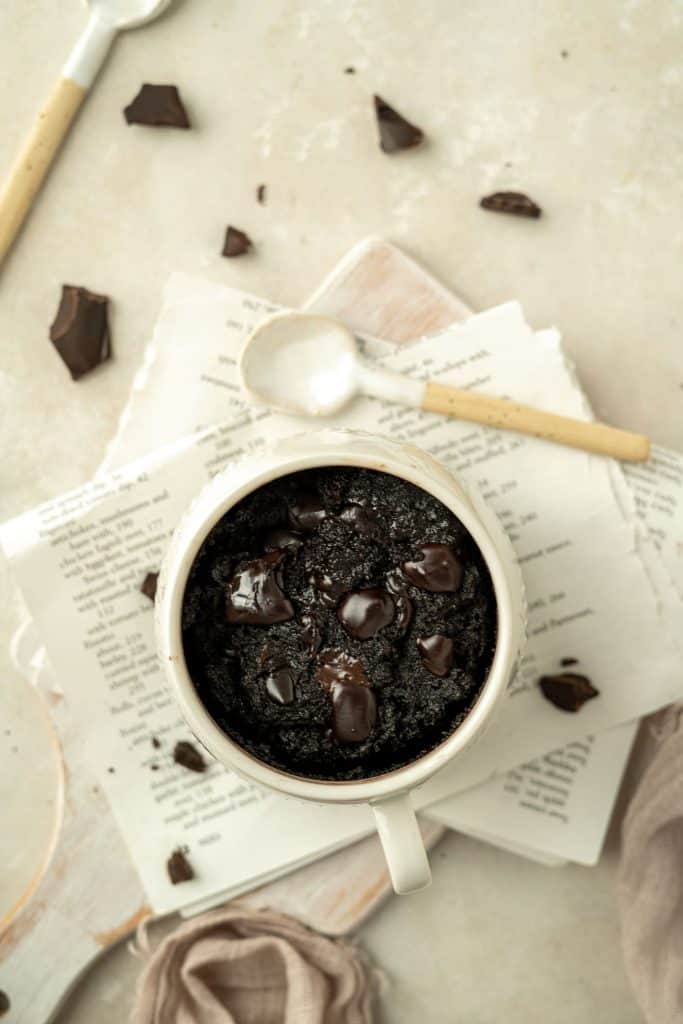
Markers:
{"x": 338, "y": 623}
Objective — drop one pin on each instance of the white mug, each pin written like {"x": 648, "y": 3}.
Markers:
{"x": 388, "y": 794}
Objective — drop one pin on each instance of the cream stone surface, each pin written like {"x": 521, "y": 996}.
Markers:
{"x": 577, "y": 104}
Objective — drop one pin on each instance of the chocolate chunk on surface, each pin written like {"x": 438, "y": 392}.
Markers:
{"x": 307, "y": 512}
{"x": 80, "y": 330}
{"x": 280, "y": 685}
{"x": 148, "y": 586}
{"x": 5, "y": 1003}
{"x": 395, "y": 132}
{"x": 329, "y": 590}
{"x": 261, "y": 195}
{"x": 254, "y": 595}
{"x": 337, "y": 668}
{"x": 187, "y": 756}
{"x": 158, "y": 106}
{"x": 437, "y": 654}
{"x": 568, "y": 691}
{"x": 354, "y": 712}
{"x": 282, "y": 539}
{"x": 568, "y": 662}
{"x": 439, "y": 569}
{"x": 179, "y": 868}
{"x": 363, "y": 613}
{"x": 515, "y": 203}
{"x": 236, "y": 243}
{"x": 363, "y": 520}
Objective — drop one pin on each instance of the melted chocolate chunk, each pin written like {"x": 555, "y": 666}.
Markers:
{"x": 280, "y": 685}
{"x": 179, "y": 868}
{"x": 4, "y": 1003}
{"x": 254, "y": 595}
{"x": 437, "y": 653}
{"x": 261, "y": 195}
{"x": 439, "y": 570}
{"x": 80, "y": 330}
{"x": 281, "y": 539}
{"x": 148, "y": 587}
{"x": 395, "y": 133}
{"x": 354, "y": 712}
{"x": 337, "y": 668}
{"x": 306, "y": 512}
{"x": 311, "y": 634}
{"x": 330, "y": 590}
{"x": 363, "y": 520}
{"x": 187, "y": 756}
{"x": 237, "y": 243}
{"x": 515, "y": 203}
{"x": 404, "y": 606}
{"x": 568, "y": 691}
{"x": 363, "y": 613}
{"x": 158, "y": 106}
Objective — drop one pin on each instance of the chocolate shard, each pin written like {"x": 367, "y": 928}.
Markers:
{"x": 354, "y": 712}
{"x": 439, "y": 570}
{"x": 158, "y": 106}
{"x": 568, "y": 691}
{"x": 80, "y": 330}
{"x": 363, "y": 613}
{"x": 280, "y": 685}
{"x": 261, "y": 195}
{"x": 179, "y": 868}
{"x": 236, "y": 243}
{"x": 187, "y": 756}
{"x": 254, "y": 596}
{"x": 515, "y": 203}
{"x": 148, "y": 587}
{"x": 437, "y": 654}
{"x": 568, "y": 662}
{"x": 395, "y": 133}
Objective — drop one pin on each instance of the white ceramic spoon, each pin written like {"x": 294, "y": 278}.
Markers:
{"x": 310, "y": 365}
{"x": 107, "y": 19}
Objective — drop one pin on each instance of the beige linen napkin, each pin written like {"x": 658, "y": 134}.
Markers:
{"x": 239, "y": 966}
{"x": 651, "y": 877}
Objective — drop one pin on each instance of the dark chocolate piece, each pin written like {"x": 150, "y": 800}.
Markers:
{"x": 511, "y": 202}
{"x": 437, "y": 654}
{"x": 336, "y": 667}
{"x": 354, "y": 712}
{"x": 280, "y": 685}
{"x": 395, "y": 133}
{"x": 4, "y": 1003}
{"x": 254, "y": 595}
{"x": 306, "y": 512}
{"x": 187, "y": 756}
{"x": 330, "y": 590}
{"x": 568, "y": 662}
{"x": 80, "y": 330}
{"x": 404, "y": 606}
{"x": 568, "y": 690}
{"x": 439, "y": 570}
{"x": 156, "y": 743}
{"x": 261, "y": 195}
{"x": 158, "y": 106}
{"x": 349, "y": 71}
{"x": 311, "y": 634}
{"x": 280, "y": 539}
{"x": 363, "y": 520}
{"x": 149, "y": 585}
{"x": 363, "y": 613}
{"x": 179, "y": 868}
{"x": 236, "y": 243}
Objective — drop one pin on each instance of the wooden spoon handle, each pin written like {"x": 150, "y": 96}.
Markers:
{"x": 507, "y": 415}
{"x": 34, "y": 160}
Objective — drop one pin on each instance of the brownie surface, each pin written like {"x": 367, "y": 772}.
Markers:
{"x": 339, "y": 623}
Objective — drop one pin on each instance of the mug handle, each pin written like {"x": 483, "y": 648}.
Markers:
{"x": 402, "y": 843}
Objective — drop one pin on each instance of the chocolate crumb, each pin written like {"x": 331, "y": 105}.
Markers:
{"x": 568, "y": 691}
{"x": 237, "y": 243}
{"x": 350, "y": 70}
{"x": 187, "y": 755}
{"x": 261, "y": 195}
{"x": 156, "y": 742}
{"x": 149, "y": 585}
{"x": 564, "y": 54}
{"x": 568, "y": 662}
{"x": 154, "y": 767}
{"x": 515, "y": 203}
{"x": 395, "y": 133}
{"x": 111, "y": 770}
{"x": 158, "y": 106}
{"x": 179, "y": 868}
{"x": 80, "y": 330}
{"x": 4, "y": 1003}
